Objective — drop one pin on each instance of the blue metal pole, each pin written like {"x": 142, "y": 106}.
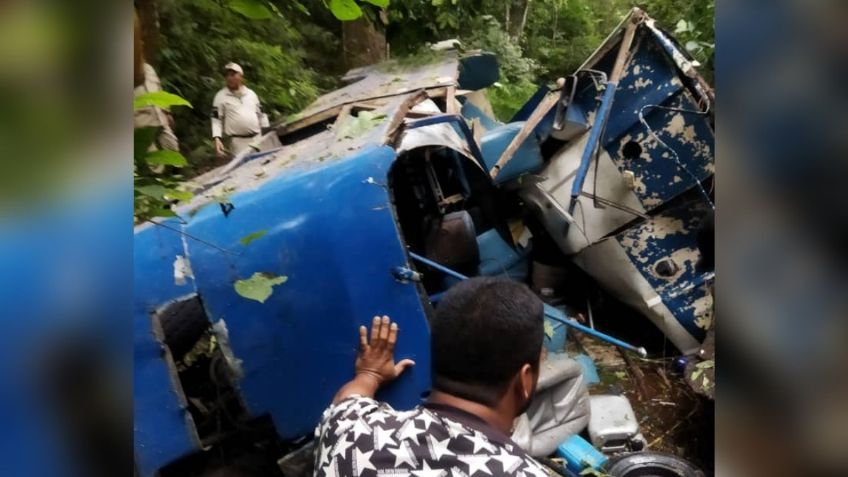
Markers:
{"x": 550, "y": 311}
{"x": 557, "y": 315}
{"x": 594, "y": 138}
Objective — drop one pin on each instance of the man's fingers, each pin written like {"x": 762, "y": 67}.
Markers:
{"x": 393, "y": 333}
{"x": 405, "y": 363}
{"x": 375, "y": 330}
{"x": 384, "y": 331}
{"x": 363, "y": 337}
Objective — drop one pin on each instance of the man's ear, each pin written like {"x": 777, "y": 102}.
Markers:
{"x": 527, "y": 381}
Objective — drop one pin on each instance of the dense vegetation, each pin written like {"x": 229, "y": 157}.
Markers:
{"x": 293, "y": 50}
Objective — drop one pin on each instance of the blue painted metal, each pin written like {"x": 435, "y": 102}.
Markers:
{"x": 555, "y": 343}
{"x": 592, "y": 145}
{"x": 499, "y": 258}
{"x": 478, "y": 71}
{"x": 469, "y": 111}
{"x": 590, "y": 371}
{"x": 162, "y": 428}
{"x": 458, "y": 122}
{"x": 671, "y": 235}
{"x": 579, "y": 454}
{"x": 325, "y": 251}
{"x": 528, "y": 157}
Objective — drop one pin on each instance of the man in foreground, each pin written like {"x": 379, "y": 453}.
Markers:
{"x": 486, "y": 341}
{"x": 237, "y": 115}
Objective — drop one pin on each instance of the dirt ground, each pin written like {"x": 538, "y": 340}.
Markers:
{"x": 672, "y": 417}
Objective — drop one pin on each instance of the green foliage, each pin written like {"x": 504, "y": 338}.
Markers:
{"x": 198, "y": 37}
{"x": 292, "y": 54}
{"x": 507, "y": 98}
{"x": 345, "y": 9}
{"x": 252, "y": 9}
{"x": 259, "y": 287}
{"x": 159, "y": 99}
{"x": 154, "y": 185}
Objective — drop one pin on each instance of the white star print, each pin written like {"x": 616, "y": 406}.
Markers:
{"x": 457, "y": 472}
{"x": 426, "y": 418}
{"x": 438, "y": 448}
{"x": 360, "y": 428}
{"x": 475, "y": 463}
{"x": 382, "y": 437}
{"x": 343, "y": 426}
{"x": 480, "y": 442}
{"x": 332, "y": 470}
{"x": 362, "y": 461}
{"x": 508, "y": 461}
{"x": 532, "y": 468}
{"x": 342, "y": 446}
{"x": 378, "y": 416}
{"x": 402, "y": 455}
{"x": 455, "y": 430}
{"x": 324, "y": 450}
{"x": 408, "y": 431}
{"x": 426, "y": 471}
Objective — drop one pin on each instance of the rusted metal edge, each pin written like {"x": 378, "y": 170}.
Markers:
{"x": 332, "y": 111}
{"x": 392, "y": 134}
{"x": 538, "y": 114}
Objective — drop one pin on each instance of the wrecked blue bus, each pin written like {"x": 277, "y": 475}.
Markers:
{"x": 247, "y": 303}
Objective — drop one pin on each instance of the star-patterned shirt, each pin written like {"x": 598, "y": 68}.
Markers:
{"x": 362, "y": 437}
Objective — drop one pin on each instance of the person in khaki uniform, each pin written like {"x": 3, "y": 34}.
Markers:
{"x": 237, "y": 116}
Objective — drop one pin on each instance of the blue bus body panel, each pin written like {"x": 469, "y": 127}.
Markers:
{"x": 331, "y": 232}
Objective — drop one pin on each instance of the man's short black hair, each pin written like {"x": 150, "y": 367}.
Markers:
{"x": 484, "y": 330}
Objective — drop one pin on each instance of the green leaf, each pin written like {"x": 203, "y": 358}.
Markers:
{"x": 258, "y": 287}
{"x": 681, "y": 27}
{"x": 437, "y": 3}
{"x": 251, "y": 9}
{"x": 345, "y": 10}
{"x": 706, "y": 364}
{"x": 251, "y": 237}
{"x": 166, "y": 157}
{"x": 378, "y": 3}
{"x": 549, "y": 329}
{"x": 302, "y": 8}
{"x": 156, "y": 191}
{"x": 142, "y": 139}
{"x": 173, "y": 194}
{"x": 693, "y": 46}
{"x": 160, "y": 99}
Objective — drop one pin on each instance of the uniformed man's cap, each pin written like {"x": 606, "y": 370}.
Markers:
{"x": 234, "y": 67}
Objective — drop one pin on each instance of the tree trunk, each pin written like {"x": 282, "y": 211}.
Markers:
{"x": 517, "y": 17}
{"x": 362, "y": 44}
{"x": 148, "y": 17}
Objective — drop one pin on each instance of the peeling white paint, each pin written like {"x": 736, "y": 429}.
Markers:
{"x": 676, "y": 125}
{"x": 703, "y": 310}
{"x": 642, "y": 83}
{"x": 182, "y": 270}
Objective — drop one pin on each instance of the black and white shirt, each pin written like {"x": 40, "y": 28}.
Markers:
{"x": 362, "y": 437}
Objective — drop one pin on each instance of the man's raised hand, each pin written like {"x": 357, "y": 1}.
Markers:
{"x": 376, "y": 359}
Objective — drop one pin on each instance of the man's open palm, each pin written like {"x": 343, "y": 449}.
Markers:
{"x": 377, "y": 358}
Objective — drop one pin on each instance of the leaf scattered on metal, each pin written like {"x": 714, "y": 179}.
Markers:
{"x": 251, "y": 237}
{"x": 549, "y": 329}
{"x": 259, "y": 287}
{"x": 355, "y": 126}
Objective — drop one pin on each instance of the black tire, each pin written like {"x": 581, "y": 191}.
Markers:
{"x": 183, "y": 323}
{"x": 650, "y": 464}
